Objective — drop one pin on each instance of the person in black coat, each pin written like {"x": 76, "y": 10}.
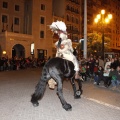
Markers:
{"x": 91, "y": 64}
{"x": 113, "y": 64}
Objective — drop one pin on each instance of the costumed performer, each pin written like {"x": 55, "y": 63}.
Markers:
{"x": 64, "y": 45}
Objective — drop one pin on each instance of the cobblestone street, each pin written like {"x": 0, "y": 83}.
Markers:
{"x": 16, "y": 87}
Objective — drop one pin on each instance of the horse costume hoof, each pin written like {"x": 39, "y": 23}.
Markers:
{"x": 77, "y": 95}
{"x": 35, "y": 104}
{"x": 78, "y": 92}
{"x": 67, "y": 107}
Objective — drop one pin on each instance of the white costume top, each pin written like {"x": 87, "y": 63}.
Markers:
{"x": 66, "y": 51}
{"x": 67, "y": 47}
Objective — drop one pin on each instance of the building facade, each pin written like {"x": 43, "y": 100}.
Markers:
{"x": 24, "y": 30}
{"x": 24, "y": 24}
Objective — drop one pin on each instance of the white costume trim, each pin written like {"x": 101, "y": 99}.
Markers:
{"x": 59, "y": 25}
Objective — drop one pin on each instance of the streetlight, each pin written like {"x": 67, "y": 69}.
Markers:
{"x": 103, "y": 19}
{"x": 4, "y": 52}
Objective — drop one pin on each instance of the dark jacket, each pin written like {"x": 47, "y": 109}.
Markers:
{"x": 118, "y": 75}
{"x": 113, "y": 65}
{"x": 113, "y": 74}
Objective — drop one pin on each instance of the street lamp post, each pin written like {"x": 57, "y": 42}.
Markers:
{"x": 103, "y": 39}
{"x": 85, "y": 29}
{"x": 100, "y": 18}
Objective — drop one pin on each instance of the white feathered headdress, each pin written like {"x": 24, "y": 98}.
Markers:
{"x": 58, "y": 26}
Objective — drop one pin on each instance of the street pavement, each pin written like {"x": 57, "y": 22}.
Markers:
{"x": 16, "y": 87}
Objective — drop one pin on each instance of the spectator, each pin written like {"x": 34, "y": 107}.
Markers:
{"x": 118, "y": 76}
{"x": 34, "y": 63}
{"x": 1, "y": 64}
{"x": 116, "y": 61}
{"x": 99, "y": 75}
{"x": 107, "y": 79}
{"x": 91, "y": 63}
{"x": 42, "y": 62}
{"x": 83, "y": 72}
{"x": 113, "y": 75}
{"x": 9, "y": 65}
{"x": 108, "y": 62}
{"x": 113, "y": 64}
{"x": 101, "y": 62}
{"x": 116, "y": 79}
{"x": 88, "y": 71}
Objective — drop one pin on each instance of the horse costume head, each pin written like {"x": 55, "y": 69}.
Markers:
{"x": 59, "y": 28}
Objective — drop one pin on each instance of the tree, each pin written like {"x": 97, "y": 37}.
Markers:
{"x": 94, "y": 43}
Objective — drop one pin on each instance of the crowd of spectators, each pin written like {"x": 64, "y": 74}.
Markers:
{"x": 7, "y": 64}
{"x": 93, "y": 67}
{"x": 107, "y": 71}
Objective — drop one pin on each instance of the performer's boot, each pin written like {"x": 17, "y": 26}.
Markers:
{"x": 77, "y": 76}
{"x": 52, "y": 83}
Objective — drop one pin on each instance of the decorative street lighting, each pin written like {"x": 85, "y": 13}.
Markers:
{"x": 103, "y": 19}
{"x": 4, "y": 52}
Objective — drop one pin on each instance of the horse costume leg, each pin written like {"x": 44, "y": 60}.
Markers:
{"x": 40, "y": 88}
{"x": 58, "y": 79}
{"x": 73, "y": 85}
{"x": 65, "y": 105}
{"x": 77, "y": 93}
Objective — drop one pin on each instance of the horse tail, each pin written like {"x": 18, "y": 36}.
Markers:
{"x": 40, "y": 87}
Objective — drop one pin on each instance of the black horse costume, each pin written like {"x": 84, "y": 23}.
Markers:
{"x": 58, "y": 69}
